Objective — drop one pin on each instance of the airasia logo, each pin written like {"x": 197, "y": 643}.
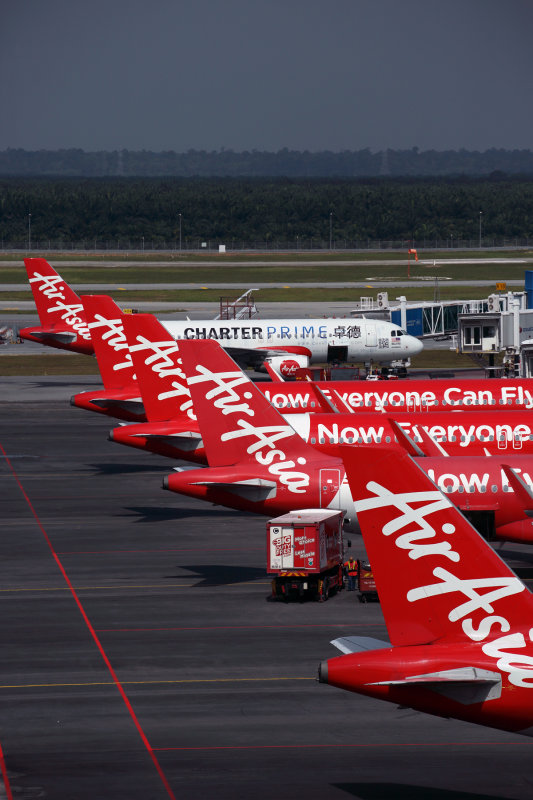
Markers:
{"x": 52, "y": 288}
{"x": 263, "y": 440}
{"x": 162, "y": 359}
{"x": 289, "y": 367}
{"x": 412, "y": 531}
{"x": 112, "y": 334}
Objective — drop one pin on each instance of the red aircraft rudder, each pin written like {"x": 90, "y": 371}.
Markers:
{"x": 157, "y": 361}
{"x": 236, "y": 420}
{"x": 105, "y": 321}
{"x": 61, "y": 314}
{"x": 437, "y": 578}
{"x": 53, "y": 296}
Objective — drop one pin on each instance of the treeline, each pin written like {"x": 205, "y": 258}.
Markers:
{"x": 263, "y": 209}
{"x": 285, "y": 163}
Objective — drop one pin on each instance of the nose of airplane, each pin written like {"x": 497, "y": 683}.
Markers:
{"x": 415, "y": 346}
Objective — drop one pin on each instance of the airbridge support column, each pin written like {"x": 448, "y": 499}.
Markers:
{"x": 515, "y": 305}
{"x": 403, "y": 312}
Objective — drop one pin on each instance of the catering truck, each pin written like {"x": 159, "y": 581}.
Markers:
{"x": 305, "y": 552}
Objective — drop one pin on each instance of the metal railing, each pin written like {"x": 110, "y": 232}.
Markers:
{"x": 146, "y": 245}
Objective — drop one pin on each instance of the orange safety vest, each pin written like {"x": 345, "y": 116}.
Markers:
{"x": 351, "y": 566}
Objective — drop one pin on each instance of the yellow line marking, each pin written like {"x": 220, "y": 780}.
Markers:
{"x": 135, "y": 586}
{"x": 144, "y": 683}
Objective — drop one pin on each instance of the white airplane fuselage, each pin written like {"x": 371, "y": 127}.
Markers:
{"x": 320, "y": 340}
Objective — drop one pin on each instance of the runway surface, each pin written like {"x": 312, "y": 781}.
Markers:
{"x": 166, "y": 671}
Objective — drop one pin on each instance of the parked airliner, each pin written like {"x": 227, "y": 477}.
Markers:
{"x": 301, "y": 342}
{"x": 257, "y": 461}
{"x": 458, "y": 618}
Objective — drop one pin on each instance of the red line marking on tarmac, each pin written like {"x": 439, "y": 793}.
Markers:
{"x": 243, "y": 627}
{"x": 361, "y": 745}
{"x": 7, "y": 785}
{"x": 81, "y": 609}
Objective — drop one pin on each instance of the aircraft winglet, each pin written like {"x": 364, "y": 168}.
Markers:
{"x": 430, "y": 448}
{"x": 523, "y": 491}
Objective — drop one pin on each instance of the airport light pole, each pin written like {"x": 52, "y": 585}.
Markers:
{"x": 179, "y": 215}
{"x": 29, "y": 231}
{"x": 480, "y": 218}
{"x": 330, "y": 229}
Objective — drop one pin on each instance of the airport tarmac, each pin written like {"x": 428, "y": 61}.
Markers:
{"x": 166, "y": 671}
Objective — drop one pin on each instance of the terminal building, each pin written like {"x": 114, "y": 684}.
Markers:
{"x": 502, "y": 324}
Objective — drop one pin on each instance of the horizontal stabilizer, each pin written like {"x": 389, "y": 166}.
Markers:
{"x": 133, "y": 404}
{"x": 56, "y": 336}
{"x": 185, "y": 440}
{"x": 466, "y": 685}
{"x": 254, "y": 489}
{"x": 356, "y": 644}
{"x": 170, "y": 437}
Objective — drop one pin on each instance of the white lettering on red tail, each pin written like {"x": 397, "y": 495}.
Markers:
{"x": 264, "y": 438}
{"x": 115, "y": 337}
{"x": 478, "y": 594}
{"x": 163, "y": 366}
{"x": 48, "y": 285}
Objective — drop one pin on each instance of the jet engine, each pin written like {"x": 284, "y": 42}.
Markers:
{"x": 285, "y": 366}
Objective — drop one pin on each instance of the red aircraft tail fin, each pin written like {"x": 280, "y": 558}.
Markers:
{"x": 57, "y": 304}
{"x": 236, "y": 420}
{"x": 105, "y": 321}
{"x": 63, "y": 321}
{"x": 157, "y": 362}
{"x": 436, "y": 576}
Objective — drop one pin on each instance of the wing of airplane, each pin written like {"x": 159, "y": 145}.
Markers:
{"x": 255, "y": 358}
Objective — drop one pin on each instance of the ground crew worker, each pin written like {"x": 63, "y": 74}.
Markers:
{"x": 351, "y": 569}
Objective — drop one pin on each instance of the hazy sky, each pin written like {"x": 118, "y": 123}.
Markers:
{"x": 266, "y": 74}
